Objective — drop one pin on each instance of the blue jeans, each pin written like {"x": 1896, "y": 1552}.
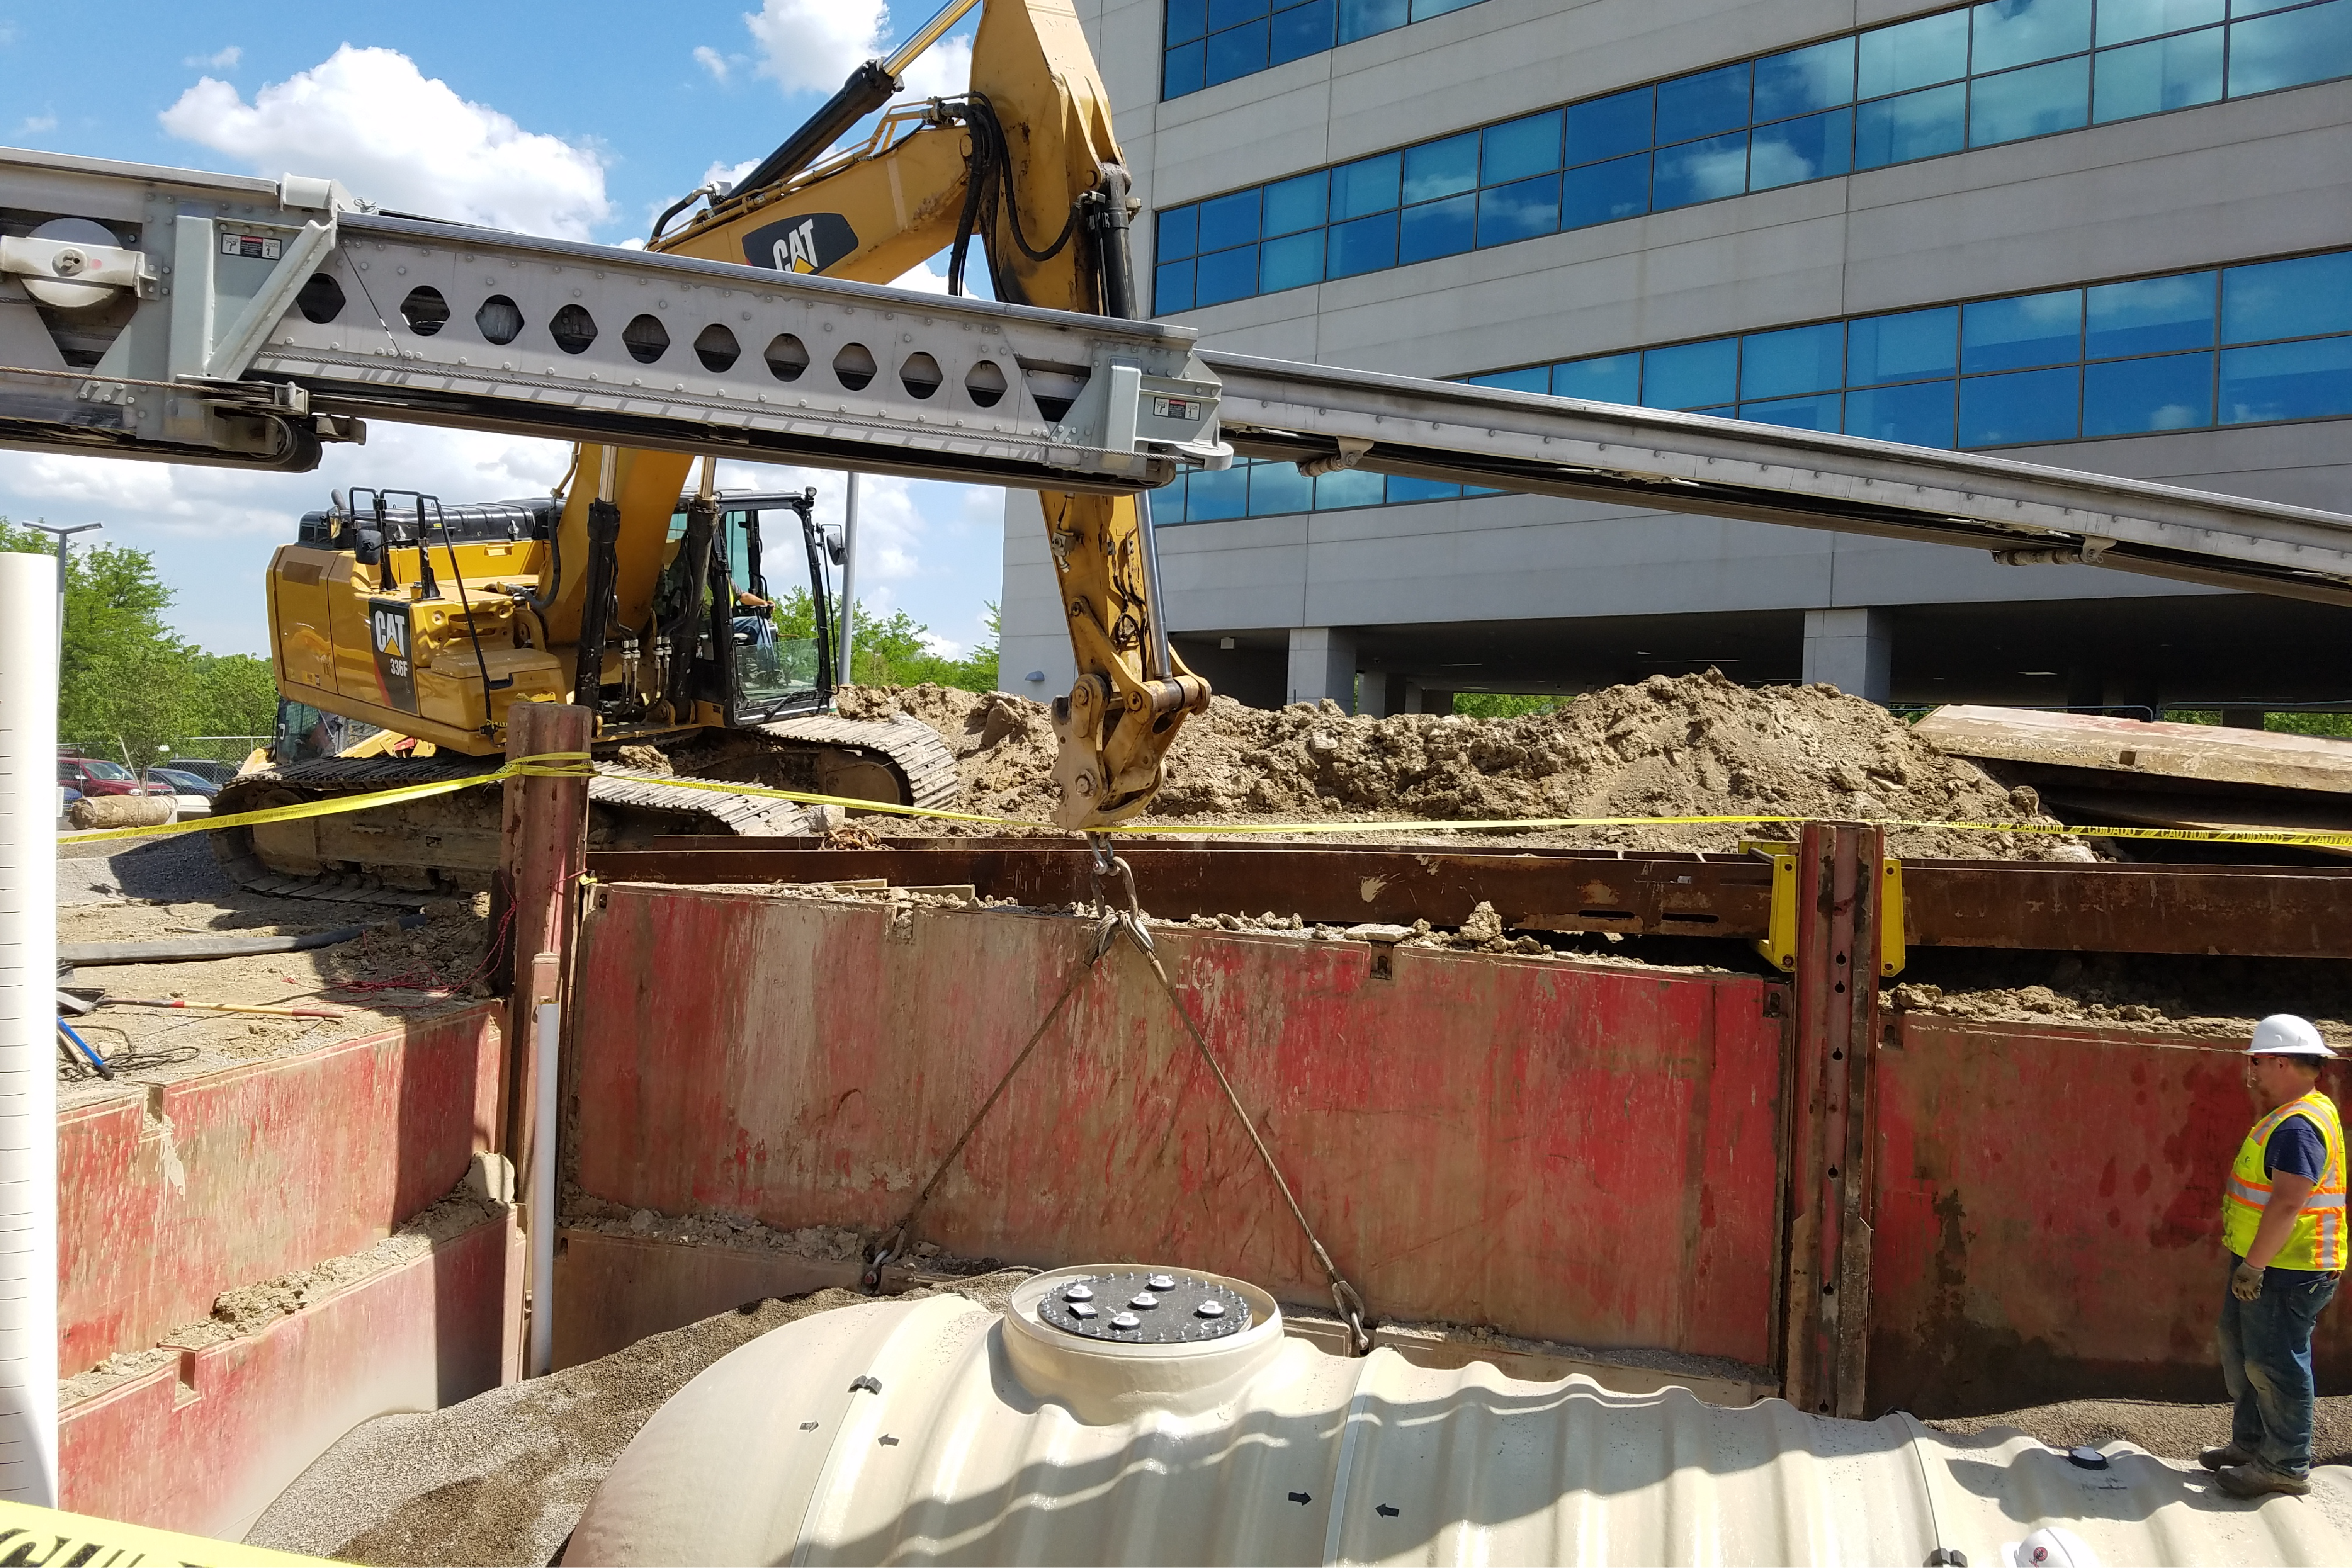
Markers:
{"x": 2266, "y": 1362}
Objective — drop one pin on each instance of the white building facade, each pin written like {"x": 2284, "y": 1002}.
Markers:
{"x": 2107, "y": 234}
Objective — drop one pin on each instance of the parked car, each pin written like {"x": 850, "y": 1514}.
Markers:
{"x": 193, "y": 792}
{"x": 97, "y": 775}
{"x": 217, "y": 773}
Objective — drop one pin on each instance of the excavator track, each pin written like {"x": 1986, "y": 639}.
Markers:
{"x": 447, "y": 846}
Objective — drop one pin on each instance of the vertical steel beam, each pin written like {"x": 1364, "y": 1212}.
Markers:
{"x": 1827, "y": 1292}
{"x": 543, "y": 851}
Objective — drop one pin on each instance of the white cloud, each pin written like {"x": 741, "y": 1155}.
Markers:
{"x": 812, "y": 45}
{"x": 727, "y": 173}
{"x": 942, "y": 647}
{"x": 37, "y": 123}
{"x": 369, "y": 119}
{"x": 219, "y": 62}
{"x": 921, "y": 281}
{"x": 714, "y": 62}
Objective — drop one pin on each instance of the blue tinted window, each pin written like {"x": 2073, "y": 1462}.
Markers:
{"x": 1276, "y": 489}
{"x": 1401, "y": 490}
{"x": 1225, "y": 275}
{"x": 1422, "y": 10}
{"x": 1535, "y": 378}
{"x": 1520, "y": 148}
{"x": 1223, "y": 14}
{"x": 1228, "y": 220}
{"x": 1294, "y": 261}
{"x": 1212, "y": 497}
{"x": 1810, "y": 149}
{"x": 1802, "y": 80}
{"x": 2256, "y": 7}
{"x": 1615, "y": 378}
{"x": 1818, "y": 412}
{"x": 1691, "y": 375}
{"x": 2031, "y": 330}
{"x": 1187, "y": 20}
{"x": 2020, "y": 32}
{"x": 2033, "y": 405}
{"x": 1608, "y": 127}
{"x": 1438, "y": 228}
{"x": 1521, "y": 211}
{"x": 1920, "y": 125}
{"x": 1913, "y": 346}
{"x": 1182, "y": 71}
{"x": 2161, "y": 74}
{"x": 1443, "y": 168}
{"x": 2291, "y": 49}
{"x": 1366, "y": 245}
{"x": 1363, "y": 18}
{"x": 1179, "y": 229}
{"x": 2298, "y": 298}
{"x": 2035, "y": 101}
{"x": 1301, "y": 31}
{"x": 1172, "y": 287}
{"x": 1168, "y": 505}
{"x": 2121, "y": 21}
{"x": 1367, "y": 186}
{"x": 1919, "y": 414}
{"x": 2287, "y": 380}
{"x": 1798, "y": 359}
{"x": 1701, "y": 171}
{"x": 1704, "y": 104}
{"x": 1911, "y": 54}
{"x": 1349, "y": 487}
{"x": 2153, "y": 316}
{"x": 1295, "y": 205}
{"x": 1237, "y": 53}
{"x": 2130, "y": 396}
{"x": 1602, "y": 192}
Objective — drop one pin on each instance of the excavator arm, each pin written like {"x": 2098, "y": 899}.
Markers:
{"x": 1025, "y": 163}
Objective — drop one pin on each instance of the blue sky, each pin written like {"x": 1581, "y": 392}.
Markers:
{"x": 580, "y": 119}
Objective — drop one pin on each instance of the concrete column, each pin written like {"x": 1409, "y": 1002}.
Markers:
{"x": 1851, "y": 650}
{"x": 1323, "y": 664}
{"x": 1418, "y": 698}
{"x": 1380, "y": 695}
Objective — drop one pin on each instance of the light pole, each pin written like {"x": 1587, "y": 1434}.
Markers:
{"x": 64, "y": 535}
{"x": 848, "y": 629}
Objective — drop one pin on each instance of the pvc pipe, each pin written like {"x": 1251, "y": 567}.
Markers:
{"x": 28, "y": 1022}
{"x": 842, "y": 675}
{"x": 542, "y": 1190}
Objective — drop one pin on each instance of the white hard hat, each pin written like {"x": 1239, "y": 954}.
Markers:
{"x": 2283, "y": 1034}
{"x": 2052, "y": 1546}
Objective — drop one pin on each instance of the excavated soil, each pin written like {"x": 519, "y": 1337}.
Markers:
{"x": 166, "y": 888}
{"x": 502, "y": 1477}
{"x": 2167, "y": 1431}
{"x": 1667, "y": 747}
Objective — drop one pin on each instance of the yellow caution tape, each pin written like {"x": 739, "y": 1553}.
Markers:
{"x": 576, "y": 765}
{"x": 31, "y": 1534}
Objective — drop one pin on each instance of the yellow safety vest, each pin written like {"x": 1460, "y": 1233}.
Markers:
{"x": 2317, "y": 1241}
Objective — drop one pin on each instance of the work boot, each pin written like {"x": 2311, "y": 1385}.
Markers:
{"x": 2225, "y": 1456}
{"x": 2259, "y": 1479}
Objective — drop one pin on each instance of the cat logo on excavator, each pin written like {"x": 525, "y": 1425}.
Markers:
{"x": 809, "y": 244}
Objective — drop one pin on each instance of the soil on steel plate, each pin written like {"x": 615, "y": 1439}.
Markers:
{"x": 502, "y": 1477}
{"x": 160, "y": 889}
{"x": 1667, "y": 747}
{"x": 2167, "y": 1431}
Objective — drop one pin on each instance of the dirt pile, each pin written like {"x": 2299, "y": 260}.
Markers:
{"x": 502, "y": 1477}
{"x": 1667, "y": 747}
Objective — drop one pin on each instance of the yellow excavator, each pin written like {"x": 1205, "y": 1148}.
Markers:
{"x": 625, "y": 592}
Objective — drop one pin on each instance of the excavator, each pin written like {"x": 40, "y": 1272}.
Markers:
{"x": 624, "y": 592}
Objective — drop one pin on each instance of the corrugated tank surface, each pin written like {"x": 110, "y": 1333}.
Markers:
{"x": 937, "y": 1431}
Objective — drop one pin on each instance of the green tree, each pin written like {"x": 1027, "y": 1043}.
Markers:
{"x": 1504, "y": 705}
{"x": 128, "y": 687}
{"x": 890, "y": 651}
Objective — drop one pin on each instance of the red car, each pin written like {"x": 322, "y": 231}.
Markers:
{"x": 97, "y": 775}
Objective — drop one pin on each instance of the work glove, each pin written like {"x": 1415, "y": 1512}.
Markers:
{"x": 2246, "y": 1284}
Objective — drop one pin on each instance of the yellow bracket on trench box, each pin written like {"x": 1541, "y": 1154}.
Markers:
{"x": 1780, "y": 944}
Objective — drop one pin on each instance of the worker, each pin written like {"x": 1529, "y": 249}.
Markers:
{"x": 2282, "y": 1219}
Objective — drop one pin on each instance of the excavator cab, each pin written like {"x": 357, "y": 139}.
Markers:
{"x": 755, "y": 655}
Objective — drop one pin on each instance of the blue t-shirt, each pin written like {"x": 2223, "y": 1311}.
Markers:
{"x": 2295, "y": 1148}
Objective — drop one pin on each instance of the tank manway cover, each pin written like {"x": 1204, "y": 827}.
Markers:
{"x": 1145, "y": 1309}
